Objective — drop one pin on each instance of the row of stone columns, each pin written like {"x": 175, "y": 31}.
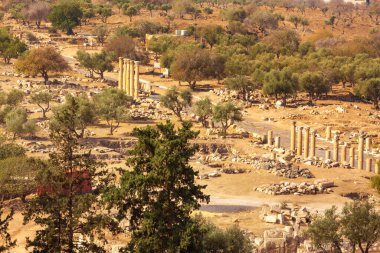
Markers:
{"x": 129, "y": 76}
{"x": 303, "y": 143}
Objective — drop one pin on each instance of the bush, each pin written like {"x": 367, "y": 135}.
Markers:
{"x": 375, "y": 183}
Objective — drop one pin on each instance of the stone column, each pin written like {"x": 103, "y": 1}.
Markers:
{"x": 377, "y": 166}
{"x": 312, "y": 143}
{"x": 336, "y": 148}
{"x": 299, "y": 141}
{"x": 269, "y": 138}
{"x": 125, "y": 75}
{"x": 131, "y": 78}
{"x": 293, "y": 136}
{"x": 137, "y": 79}
{"x": 343, "y": 154}
{"x": 328, "y": 133}
{"x": 352, "y": 157}
{"x": 360, "y": 152}
{"x": 127, "y": 82}
{"x": 368, "y": 164}
{"x": 277, "y": 140}
{"x": 367, "y": 144}
{"x": 120, "y": 80}
{"x": 327, "y": 154}
{"x": 306, "y": 142}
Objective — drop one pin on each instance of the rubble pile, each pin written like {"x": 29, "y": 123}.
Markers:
{"x": 304, "y": 188}
{"x": 233, "y": 171}
{"x": 278, "y": 168}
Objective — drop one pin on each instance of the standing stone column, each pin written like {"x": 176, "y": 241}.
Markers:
{"x": 269, "y": 138}
{"x": 377, "y": 166}
{"x": 293, "y": 136}
{"x": 120, "y": 80}
{"x": 336, "y": 148}
{"x": 343, "y": 154}
{"x": 131, "y": 78}
{"x": 299, "y": 141}
{"x": 367, "y": 144}
{"x": 126, "y": 88}
{"x": 312, "y": 143}
{"x": 125, "y": 75}
{"x": 306, "y": 142}
{"x": 277, "y": 142}
{"x": 137, "y": 79}
{"x": 327, "y": 154}
{"x": 360, "y": 152}
{"x": 352, "y": 157}
{"x": 328, "y": 133}
{"x": 368, "y": 164}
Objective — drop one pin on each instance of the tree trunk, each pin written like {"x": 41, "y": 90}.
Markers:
{"x": 284, "y": 101}
{"x": 70, "y": 31}
{"x": 43, "y": 113}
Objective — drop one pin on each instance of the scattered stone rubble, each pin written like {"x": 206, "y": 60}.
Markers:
{"x": 281, "y": 169}
{"x": 304, "y": 188}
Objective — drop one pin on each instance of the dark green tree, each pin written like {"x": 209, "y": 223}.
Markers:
{"x": 226, "y": 113}
{"x": 324, "y": 231}
{"x": 315, "y": 84}
{"x": 7, "y": 242}
{"x": 203, "y": 109}
{"x": 177, "y": 101}
{"x": 112, "y": 106}
{"x": 243, "y": 84}
{"x": 280, "y": 83}
{"x": 361, "y": 225}
{"x": 66, "y": 15}
{"x": 160, "y": 193}
{"x": 42, "y": 99}
{"x": 371, "y": 89}
{"x": 85, "y": 112}
{"x": 67, "y": 208}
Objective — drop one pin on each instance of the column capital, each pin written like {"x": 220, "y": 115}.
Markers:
{"x": 294, "y": 123}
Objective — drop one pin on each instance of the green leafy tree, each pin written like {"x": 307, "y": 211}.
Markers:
{"x": 17, "y": 176}
{"x": 14, "y": 97}
{"x": 280, "y": 83}
{"x": 130, "y": 12}
{"x": 210, "y": 34}
{"x": 203, "y": 109}
{"x": 104, "y": 11}
{"x": 295, "y": 20}
{"x": 10, "y": 150}
{"x": 283, "y": 42}
{"x": 66, "y": 15}
{"x": 95, "y": 63}
{"x": 160, "y": 45}
{"x": 315, "y": 84}
{"x": 160, "y": 193}
{"x": 177, "y": 101}
{"x": 261, "y": 21}
{"x": 16, "y": 122}
{"x": 84, "y": 112}
{"x": 361, "y": 225}
{"x": 226, "y": 113}
{"x": 10, "y": 47}
{"x": 324, "y": 231}
{"x": 7, "y": 242}
{"x": 151, "y": 7}
{"x": 67, "y": 208}
{"x": 42, "y": 61}
{"x": 243, "y": 84}
{"x": 371, "y": 88}
{"x": 101, "y": 32}
{"x": 112, "y": 105}
{"x": 42, "y": 99}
